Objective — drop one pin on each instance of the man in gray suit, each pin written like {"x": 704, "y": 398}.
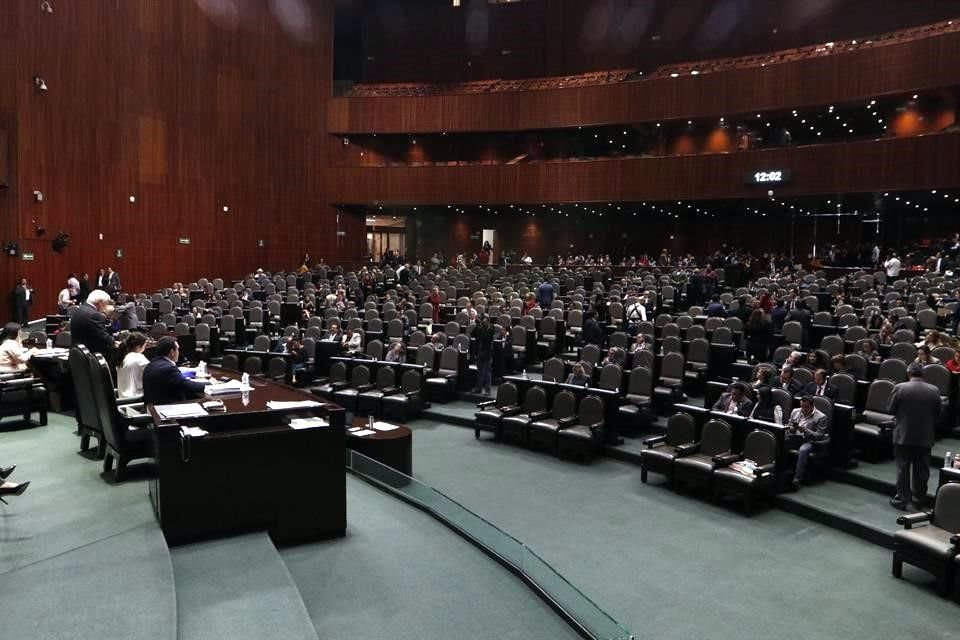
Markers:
{"x": 916, "y": 405}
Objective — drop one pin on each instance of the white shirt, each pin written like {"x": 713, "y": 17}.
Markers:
{"x": 13, "y": 357}
{"x": 130, "y": 375}
{"x": 64, "y": 298}
{"x": 636, "y": 310}
{"x": 353, "y": 344}
{"x": 893, "y": 267}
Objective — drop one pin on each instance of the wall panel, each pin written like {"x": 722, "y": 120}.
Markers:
{"x": 922, "y": 162}
{"x": 929, "y": 63}
{"x": 182, "y": 110}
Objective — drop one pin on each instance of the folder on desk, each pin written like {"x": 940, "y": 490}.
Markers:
{"x": 232, "y": 386}
{"x": 294, "y": 404}
{"x": 184, "y": 410}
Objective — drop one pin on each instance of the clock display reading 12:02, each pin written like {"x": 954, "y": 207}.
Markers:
{"x": 772, "y": 176}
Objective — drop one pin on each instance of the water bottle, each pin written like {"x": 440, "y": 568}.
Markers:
{"x": 49, "y": 343}
{"x": 524, "y": 374}
{"x": 948, "y": 460}
{"x": 778, "y": 414}
{"x": 201, "y": 368}
{"x": 245, "y": 398}
{"x": 370, "y": 422}
{"x": 245, "y": 379}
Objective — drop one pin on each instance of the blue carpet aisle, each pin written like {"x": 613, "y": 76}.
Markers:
{"x": 401, "y": 575}
{"x": 237, "y": 588}
{"x": 675, "y": 566}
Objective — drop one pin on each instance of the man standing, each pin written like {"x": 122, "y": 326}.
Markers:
{"x": 811, "y": 425}
{"x": 916, "y": 405}
{"x": 892, "y": 266}
{"x": 113, "y": 282}
{"x": 22, "y": 299}
{"x": 483, "y": 332}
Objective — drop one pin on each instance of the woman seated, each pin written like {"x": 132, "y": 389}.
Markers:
{"x": 923, "y": 356}
{"x": 529, "y": 302}
{"x": 578, "y": 376}
{"x": 953, "y": 364}
{"x": 130, "y": 372}
{"x": 766, "y": 409}
{"x": 13, "y": 355}
{"x": 868, "y": 351}
{"x": 395, "y": 353}
{"x": 932, "y": 340}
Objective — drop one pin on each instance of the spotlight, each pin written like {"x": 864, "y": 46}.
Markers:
{"x": 46, "y": 6}
{"x": 61, "y": 241}
{"x": 41, "y": 84}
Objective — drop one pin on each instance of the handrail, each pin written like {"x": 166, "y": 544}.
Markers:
{"x": 573, "y": 606}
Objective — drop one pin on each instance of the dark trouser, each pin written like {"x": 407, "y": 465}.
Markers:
{"x": 919, "y": 459}
{"x": 484, "y": 366}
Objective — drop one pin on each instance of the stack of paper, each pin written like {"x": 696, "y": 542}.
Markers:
{"x": 362, "y": 432}
{"x": 294, "y": 404}
{"x": 52, "y": 352}
{"x": 184, "y": 410}
{"x": 308, "y": 423}
{"x": 384, "y": 426}
{"x": 195, "y": 432}
{"x": 233, "y": 386}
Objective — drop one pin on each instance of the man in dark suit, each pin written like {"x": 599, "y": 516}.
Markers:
{"x": 163, "y": 382}
{"x": 778, "y": 315}
{"x": 545, "y": 293}
{"x": 113, "y": 282}
{"x": 88, "y": 326}
{"x": 734, "y": 401}
{"x": 22, "y": 299}
{"x": 715, "y": 309}
{"x": 591, "y": 333}
{"x": 916, "y": 405}
{"x": 788, "y": 383}
{"x": 821, "y": 386}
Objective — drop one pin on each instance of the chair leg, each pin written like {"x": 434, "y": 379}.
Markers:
{"x": 643, "y": 475}
{"x": 101, "y": 446}
{"x": 107, "y": 462}
{"x": 897, "y": 565}
{"x": 121, "y": 469}
{"x": 84, "y": 442}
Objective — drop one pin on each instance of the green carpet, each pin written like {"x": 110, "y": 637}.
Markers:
{"x": 120, "y": 587}
{"x": 673, "y": 566}
{"x": 237, "y": 588}
{"x": 399, "y": 574}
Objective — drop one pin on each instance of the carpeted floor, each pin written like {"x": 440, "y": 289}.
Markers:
{"x": 675, "y": 566}
{"x": 399, "y": 574}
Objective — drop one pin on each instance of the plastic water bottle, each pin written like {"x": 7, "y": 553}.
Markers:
{"x": 201, "y": 368}
{"x": 948, "y": 460}
{"x": 49, "y": 343}
{"x": 245, "y": 379}
{"x": 778, "y": 414}
{"x": 370, "y": 422}
{"x": 524, "y": 374}
{"x": 245, "y": 398}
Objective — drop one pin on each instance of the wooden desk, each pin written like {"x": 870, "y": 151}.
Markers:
{"x": 252, "y": 471}
{"x": 392, "y": 448}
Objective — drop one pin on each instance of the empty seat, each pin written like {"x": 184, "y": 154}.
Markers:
{"x": 347, "y": 397}
{"x": 585, "y": 436}
{"x": 491, "y": 412}
{"x": 660, "y": 451}
{"x": 543, "y": 432}
{"x": 934, "y": 546}
{"x": 696, "y": 462}
{"x": 407, "y": 402}
{"x": 736, "y": 475}
{"x": 515, "y": 424}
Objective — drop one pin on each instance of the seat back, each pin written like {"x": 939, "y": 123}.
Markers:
{"x": 878, "y": 395}
{"x": 672, "y": 344}
{"x": 386, "y": 377}
{"x": 946, "y": 509}
{"x": 832, "y": 344}
{"x": 782, "y": 398}
{"x": 426, "y": 356}
{"x": 277, "y": 367}
{"x": 943, "y": 354}
{"x": 554, "y": 370}
{"x": 564, "y": 405}
{"x": 680, "y": 429}
{"x": 760, "y": 446}
{"x": 696, "y": 331}
{"x": 87, "y": 414}
{"x": 672, "y": 366}
{"x": 715, "y": 438}
{"x": 846, "y": 388}
{"x": 590, "y": 353}
{"x": 611, "y": 377}
{"x": 903, "y": 351}
{"x": 261, "y": 343}
{"x": 590, "y": 411}
{"x": 641, "y": 381}
{"x": 643, "y": 358}
{"x": 722, "y": 335}
{"x": 338, "y": 372}
{"x": 104, "y": 398}
{"x": 792, "y": 332}
{"x": 360, "y": 375}
{"x": 893, "y": 369}
{"x": 506, "y": 395}
{"x": 449, "y": 359}
{"x": 535, "y": 400}
{"x": 939, "y": 376}
{"x": 230, "y": 362}
{"x": 253, "y": 365}
{"x": 375, "y": 349}
{"x": 698, "y": 350}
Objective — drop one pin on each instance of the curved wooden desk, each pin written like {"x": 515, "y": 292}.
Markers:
{"x": 252, "y": 471}
{"x": 393, "y": 448}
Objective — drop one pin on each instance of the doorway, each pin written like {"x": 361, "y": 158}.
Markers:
{"x": 386, "y": 234}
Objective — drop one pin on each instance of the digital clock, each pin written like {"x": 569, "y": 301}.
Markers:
{"x": 772, "y": 176}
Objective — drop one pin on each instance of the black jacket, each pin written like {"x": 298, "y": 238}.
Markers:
{"x": 164, "y": 383}
{"x": 89, "y": 328}
{"x": 592, "y": 333}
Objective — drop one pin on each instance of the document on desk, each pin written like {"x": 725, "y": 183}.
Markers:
{"x": 184, "y": 410}
{"x": 363, "y": 432}
{"x": 308, "y": 423}
{"x": 232, "y": 386}
{"x": 384, "y": 426}
{"x": 291, "y": 404}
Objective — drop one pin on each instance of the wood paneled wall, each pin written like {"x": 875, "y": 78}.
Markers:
{"x": 187, "y": 112}
{"x": 923, "y": 162}
{"x": 923, "y": 64}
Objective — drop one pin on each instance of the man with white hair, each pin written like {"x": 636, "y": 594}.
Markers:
{"x": 88, "y": 326}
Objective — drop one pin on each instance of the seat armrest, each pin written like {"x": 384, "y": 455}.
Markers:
{"x": 889, "y": 425}
{"x": 17, "y": 383}
{"x": 413, "y": 395}
{"x": 485, "y": 404}
{"x": 649, "y": 442}
{"x": 510, "y": 411}
{"x": 122, "y": 402}
{"x": 539, "y": 415}
{"x": 389, "y": 391}
{"x": 596, "y": 428}
{"x": 764, "y": 469}
{"x": 364, "y": 387}
{"x": 913, "y": 518}
{"x": 337, "y": 386}
{"x": 955, "y": 540}
{"x": 687, "y": 449}
{"x": 569, "y": 421}
{"x": 726, "y": 459}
